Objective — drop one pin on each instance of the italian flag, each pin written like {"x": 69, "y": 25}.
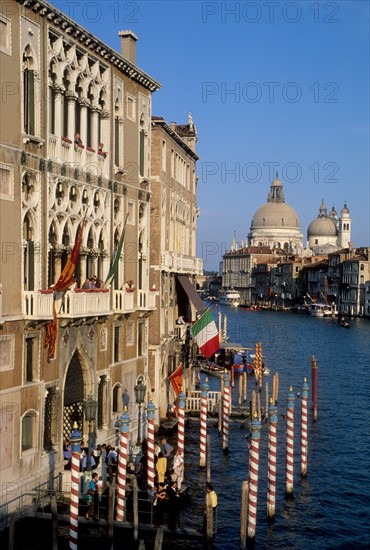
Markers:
{"x": 206, "y": 335}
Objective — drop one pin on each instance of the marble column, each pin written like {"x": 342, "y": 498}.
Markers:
{"x": 84, "y": 103}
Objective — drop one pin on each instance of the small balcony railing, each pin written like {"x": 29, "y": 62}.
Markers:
{"x": 123, "y": 301}
{"x": 146, "y": 299}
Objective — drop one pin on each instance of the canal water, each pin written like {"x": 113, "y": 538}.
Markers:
{"x": 331, "y": 507}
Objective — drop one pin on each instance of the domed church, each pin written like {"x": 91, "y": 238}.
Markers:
{"x": 327, "y": 233}
{"x": 276, "y": 224}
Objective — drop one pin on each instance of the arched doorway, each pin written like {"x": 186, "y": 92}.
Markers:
{"x": 73, "y": 398}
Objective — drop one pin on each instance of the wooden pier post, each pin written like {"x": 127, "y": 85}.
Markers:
{"x": 209, "y": 519}
{"x": 54, "y": 520}
{"x": 243, "y": 515}
{"x": 271, "y": 468}
{"x": 240, "y": 389}
{"x": 267, "y": 402}
{"x": 75, "y": 469}
{"x": 208, "y": 459}
{"x": 203, "y": 424}
{"x": 314, "y": 388}
{"x": 225, "y": 441}
{"x": 122, "y": 466}
{"x": 111, "y": 503}
{"x": 289, "y": 481}
{"x": 159, "y": 538}
{"x": 304, "y": 423}
{"x": 11, "y": 532}
{"x": 136, "y": 509}
{"x": 244, "y": 387}
{"x": 253, "y": 477}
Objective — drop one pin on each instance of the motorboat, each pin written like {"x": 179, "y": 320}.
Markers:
{"x": 230, "y": 298}
{"x": 322, "y": 310}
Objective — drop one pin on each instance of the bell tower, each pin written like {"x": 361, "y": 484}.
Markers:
{"x": 344, "y": 227}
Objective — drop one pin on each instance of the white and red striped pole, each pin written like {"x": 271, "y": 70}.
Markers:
{"x": 225, "y": 429}
{"x": 181, "y": 422}
{"x": 289, "y": 479}
{"x": 253, "y": 476}
{"x": 75, "y": 469}
{"x": 304, "y": 422}
{"x": 122, "y": 466}
{"x": 203, "y": 424}
{"x": 150, "y": 440}
{"x": 271, "y": 468}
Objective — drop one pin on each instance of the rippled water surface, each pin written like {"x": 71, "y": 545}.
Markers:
{"x": 331, "y": 507}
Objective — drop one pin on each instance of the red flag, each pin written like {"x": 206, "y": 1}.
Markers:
{"x": 66, "y": 278}
{"x": 51, "y": 334}
{"x": 176, "y": 379}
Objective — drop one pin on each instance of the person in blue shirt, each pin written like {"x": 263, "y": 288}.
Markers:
{"x": 92, "y": 496}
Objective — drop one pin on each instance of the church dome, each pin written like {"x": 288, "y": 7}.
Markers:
{"x": 322, "y": 227}
{"x": 275, "y": 214}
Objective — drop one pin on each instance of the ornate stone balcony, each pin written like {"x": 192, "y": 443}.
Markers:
{"x": 178, "y": 263}
{"x": 38, "y": 304}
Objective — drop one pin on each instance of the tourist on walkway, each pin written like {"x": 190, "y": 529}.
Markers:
{"x": 173, "y": 505}
{"x": 178, "y": 466}
{"x": 160, "y": 504}
{"x": 161, "y": 467}
{"x": 166, "y": 448}
{"x": 92, "y": 497}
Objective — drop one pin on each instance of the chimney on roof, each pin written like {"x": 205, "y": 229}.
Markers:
{"x": 128, "y": 45}
{"x": 173, "y": 125}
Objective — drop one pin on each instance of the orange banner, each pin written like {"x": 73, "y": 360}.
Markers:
{"x": 176, "y": 379}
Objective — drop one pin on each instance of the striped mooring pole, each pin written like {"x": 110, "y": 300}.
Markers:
{"x": 314, "y": 388}
{"x": 150, "y": 441}
{"x": 122, "y": 466}
{"x": 289, "y": 479}
{"x": 75, "y": 469}
{"x": 203, "y": 424}
{"x": 253, "y": 476}
{"x": 225, "y": 425}
{"x": 271, "y": 468}
{"x": 181, "y": 423}
{"x": 304, "y": 431}
{"x": 260, "y": 381}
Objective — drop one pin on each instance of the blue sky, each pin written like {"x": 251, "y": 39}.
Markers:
{"x": 267, "y": 82}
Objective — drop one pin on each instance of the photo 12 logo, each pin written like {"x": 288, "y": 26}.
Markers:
{"x": 269, "y": 92}
{"x": 270, "y": 12}
{"x": 253, "y": 172}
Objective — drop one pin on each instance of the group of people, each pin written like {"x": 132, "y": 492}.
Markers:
{"x": 170, "y": 474}
{"x": 93, "y": 282}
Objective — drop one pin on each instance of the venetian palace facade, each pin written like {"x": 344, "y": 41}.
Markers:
{"x": 60, "y": 81}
